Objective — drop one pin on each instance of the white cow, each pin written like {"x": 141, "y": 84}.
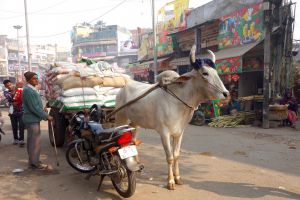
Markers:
{"x": 165, "y": 113}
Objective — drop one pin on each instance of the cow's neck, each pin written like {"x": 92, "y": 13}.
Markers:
{"x": 190, "y": 92}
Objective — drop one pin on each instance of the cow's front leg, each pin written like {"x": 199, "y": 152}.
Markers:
{"x": 176, "y": 150}
{"x": 165, "y": 138}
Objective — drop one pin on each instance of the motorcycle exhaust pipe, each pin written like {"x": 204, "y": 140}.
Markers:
{"x": 133, "y": 165}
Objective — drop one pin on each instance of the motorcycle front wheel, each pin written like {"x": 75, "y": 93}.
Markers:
{"x": 124, "y": 181}
{"x": 78, "y": 158}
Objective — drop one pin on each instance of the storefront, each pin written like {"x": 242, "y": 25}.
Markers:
{"x": 144, "y": 71}
{"x": 139, "y": 72}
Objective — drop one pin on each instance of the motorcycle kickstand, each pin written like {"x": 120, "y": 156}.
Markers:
{"x": 100, "y": 181}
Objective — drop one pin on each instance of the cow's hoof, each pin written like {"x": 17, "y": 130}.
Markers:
{"x": 179, "y": 181}
{"x": 171, "y": 186}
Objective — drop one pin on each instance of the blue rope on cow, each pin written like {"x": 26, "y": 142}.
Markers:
{"x": 200, "y": 62}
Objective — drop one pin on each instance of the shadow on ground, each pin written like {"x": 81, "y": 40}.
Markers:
{"x": 242, "y": 190}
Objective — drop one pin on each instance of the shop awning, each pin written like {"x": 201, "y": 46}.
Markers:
{"x": 235, "y": 51}
{"x": 222, "y": 54}
{"x": 141, "y": 68}
{"x": 104, "y": 58}
{"x": 152, "y": 61}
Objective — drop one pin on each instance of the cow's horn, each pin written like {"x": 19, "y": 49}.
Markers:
{"x": 213, "y": 56}
{"x": 193, "y": 56}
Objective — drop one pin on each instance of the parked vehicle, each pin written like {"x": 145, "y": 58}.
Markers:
{"x": 105, "y": 152}
{"x": 61, "y": 120}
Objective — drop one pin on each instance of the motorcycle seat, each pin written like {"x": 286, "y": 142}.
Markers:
{"x": 98, "y": 128}
{"x": 108, "y": 130}
{"x": 95, "y": 127}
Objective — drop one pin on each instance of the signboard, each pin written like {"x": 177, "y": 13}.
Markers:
{"x": 139, "y": 69}
{"x": 240, "y": 27}
{"x": 13, "y": 45}
{"x": 229, "y": 65}
{"x": 15, "y": 67}
{"x": 146, "y": 48}
{"x": 170, "y": 17}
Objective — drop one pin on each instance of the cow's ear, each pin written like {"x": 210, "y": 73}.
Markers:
{"x": 183, "y": 78}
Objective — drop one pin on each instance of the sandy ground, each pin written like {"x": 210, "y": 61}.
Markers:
{"x": 237, "y": 163}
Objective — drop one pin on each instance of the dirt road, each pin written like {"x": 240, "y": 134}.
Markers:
{"x": 241, "y": 163}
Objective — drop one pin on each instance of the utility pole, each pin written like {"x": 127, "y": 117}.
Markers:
{"x": 18, "y": 27}
{"x": 27, "y": 36}
{"x": 154, "y": 40}
{"x": 267, "y": 6}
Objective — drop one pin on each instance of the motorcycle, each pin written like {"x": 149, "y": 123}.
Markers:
{"x": 105, "y": 152}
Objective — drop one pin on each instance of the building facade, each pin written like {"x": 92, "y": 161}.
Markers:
{"x": 110, "y": 43}
{"x": 40, "y": 54}
{"x": 9, "y": 66}
{"x": 235, "y": 32}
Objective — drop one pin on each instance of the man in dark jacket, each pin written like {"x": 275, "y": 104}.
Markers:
{"x": 33, "y": 114}
{"x": 15, "y": 114}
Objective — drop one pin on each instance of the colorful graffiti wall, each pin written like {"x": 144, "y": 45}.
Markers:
{"x": 229, "y": 65}
{"x": 240, "y": 27}
{"x": 170, "y": 17}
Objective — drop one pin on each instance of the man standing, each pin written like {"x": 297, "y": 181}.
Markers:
{"x": 33, "y": 114}
{"x": 15, "y": 114}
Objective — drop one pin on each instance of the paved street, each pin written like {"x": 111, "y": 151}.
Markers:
{"x": 240, "y": 163}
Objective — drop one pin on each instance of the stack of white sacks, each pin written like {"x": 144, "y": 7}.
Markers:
{"x": 77, "y": 86}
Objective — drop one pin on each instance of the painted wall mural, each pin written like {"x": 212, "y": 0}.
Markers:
{"x": 240, "y": 27}
{"x": 171, "y": 17}
{"x": 229, "y": 65}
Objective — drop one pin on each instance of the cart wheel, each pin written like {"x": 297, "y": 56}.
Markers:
{"x": 59, "y": 127}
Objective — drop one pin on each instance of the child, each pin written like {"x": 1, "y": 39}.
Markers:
{"x": 17, "y": 100}
{"x": 18, "y": 109}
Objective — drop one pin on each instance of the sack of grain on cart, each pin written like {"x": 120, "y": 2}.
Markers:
{"x": 78, "y": 86}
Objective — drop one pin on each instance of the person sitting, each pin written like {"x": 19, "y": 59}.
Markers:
{"x": 229, "y": 106}
{"x": 289, "y": 100}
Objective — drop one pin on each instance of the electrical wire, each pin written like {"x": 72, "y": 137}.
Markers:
{"x": 37, "y": 11}
{"x": 63, "y": 13}
{"x": 73, "y": 11}
{"x": 116, "y": 6}
{"x": 65, "y": 32}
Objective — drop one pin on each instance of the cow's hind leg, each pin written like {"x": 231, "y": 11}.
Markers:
{"x": 176, "y": 151}
{"x": 165, "y": 138}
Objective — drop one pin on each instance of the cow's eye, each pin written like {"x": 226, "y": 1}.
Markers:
{"x": 205, "y": 74}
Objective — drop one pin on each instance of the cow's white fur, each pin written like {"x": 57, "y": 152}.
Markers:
{"x": 167, "y": 115}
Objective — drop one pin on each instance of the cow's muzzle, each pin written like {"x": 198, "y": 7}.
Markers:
{"x": 225, "y": 94}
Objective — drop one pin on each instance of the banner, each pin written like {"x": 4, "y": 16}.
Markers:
{"x": 171, "y": 17}
{"x": 240, "y": 27}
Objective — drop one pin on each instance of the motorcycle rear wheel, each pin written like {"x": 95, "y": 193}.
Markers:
{"x": 74, "y": 161}
{"x": 124, "y": 177}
